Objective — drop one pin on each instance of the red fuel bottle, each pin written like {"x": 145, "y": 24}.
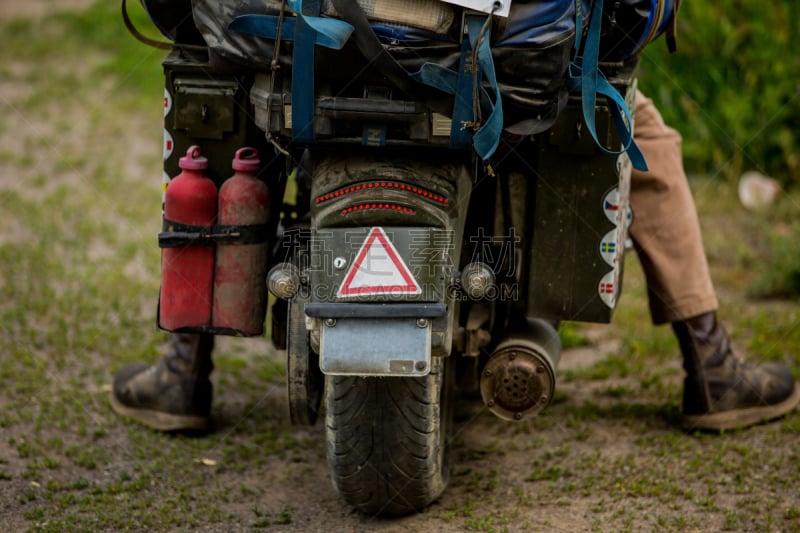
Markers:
{"x": 240, "y": 289}
{"x": 187, "y": 258}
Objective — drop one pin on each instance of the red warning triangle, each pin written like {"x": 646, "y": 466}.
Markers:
{"x": 378, "y": 270}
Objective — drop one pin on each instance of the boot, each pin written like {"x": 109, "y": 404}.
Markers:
{"x": 721, "y": 390}
{"x": 175, "y": 393}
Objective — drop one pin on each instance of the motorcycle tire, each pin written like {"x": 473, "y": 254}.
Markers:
{"x": 388, "y": 439}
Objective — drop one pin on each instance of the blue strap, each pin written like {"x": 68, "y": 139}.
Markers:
{"x": 451, "y": 82}
{"x": 303, "y": 70}
{"x": 462, "y": 101}
{"x": 487, "y": 137}
{"x": 335, "y": 34}
{"x": 307, "y": 31}
{"x": 585, "y": 75}
{"x": 458, "y": 84}
{"x": 334, "y": 29}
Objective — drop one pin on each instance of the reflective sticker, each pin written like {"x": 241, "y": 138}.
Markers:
{"x": 164, "y": 182}
{"x": 167, "y": 102}
{"x": 608, "y": 247}
{"x": 499, "y": 8}
{"x": 607, "y": 289}
{"x": 374, "y": 135}
{"x": 378, "y": 270}
{"x": 169, "y": 145}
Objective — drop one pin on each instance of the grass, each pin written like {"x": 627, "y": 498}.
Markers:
{"x": 80, "y": 195}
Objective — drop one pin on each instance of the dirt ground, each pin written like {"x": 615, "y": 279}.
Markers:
{"x": 591, "y": 462}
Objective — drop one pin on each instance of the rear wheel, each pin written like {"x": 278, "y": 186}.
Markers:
{"x": 388, "y": 439}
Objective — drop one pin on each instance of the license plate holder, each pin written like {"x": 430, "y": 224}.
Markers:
{"x": 376, "y": 347}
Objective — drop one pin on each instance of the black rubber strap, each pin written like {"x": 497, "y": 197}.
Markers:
{"x": 176, "y": 234}
{"x": 240, "y": 234}
{"x": 164, "y": 45}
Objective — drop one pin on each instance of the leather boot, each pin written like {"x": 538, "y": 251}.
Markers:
{"x": 721, "y": 390}
{"x": 175, "y": 393}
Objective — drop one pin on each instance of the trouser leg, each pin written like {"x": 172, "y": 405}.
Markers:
{"x": 665, "y": 228}
{"x": 721, "y": 390}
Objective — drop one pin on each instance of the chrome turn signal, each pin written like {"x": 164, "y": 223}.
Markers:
{"x": 476, "y": 279}
{"x": 283, "y": 281}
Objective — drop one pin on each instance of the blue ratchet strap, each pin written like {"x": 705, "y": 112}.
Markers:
{"x": 584, "y": 74}
{"x": 462, "y": 101}
{"x": 303, "y": 70}
{"x": 307, "y": 30}
{"x": 486, "y": 139}
{"x": 459, "y": 84}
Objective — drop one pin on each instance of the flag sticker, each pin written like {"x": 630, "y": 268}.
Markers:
{"x": 167, "y": 102}
{"x": 611, "y": 205}
{"x": 169, "y": 145}
{"x": 608, "y": 247}
{"x": 378, "y": 270}
{"x": 607, "y": 289}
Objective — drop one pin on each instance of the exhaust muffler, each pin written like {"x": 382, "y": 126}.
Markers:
{"x": 519, "y": 378}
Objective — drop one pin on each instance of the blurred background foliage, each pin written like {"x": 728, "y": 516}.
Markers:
{"x": 733, "y": 87}
{"x": 732, "y": 90}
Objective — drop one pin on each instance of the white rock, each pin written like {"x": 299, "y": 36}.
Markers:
{"x": 757, "y": 191}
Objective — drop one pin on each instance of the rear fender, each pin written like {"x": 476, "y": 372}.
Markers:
{"x": 387, "y": 232}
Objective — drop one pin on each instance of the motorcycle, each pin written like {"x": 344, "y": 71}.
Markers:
{"x": 412, "y": 246}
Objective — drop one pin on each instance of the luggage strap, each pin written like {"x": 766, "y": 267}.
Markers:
{"x": 585, "y": 76}
{"x": 476, "y": 62}
{"x": 310, "y": 30}
{"x": 307, "y": 31}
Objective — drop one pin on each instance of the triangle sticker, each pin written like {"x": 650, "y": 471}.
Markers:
{"x": 378, "y": 270}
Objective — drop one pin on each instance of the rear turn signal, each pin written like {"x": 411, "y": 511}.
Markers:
{"x": 283, "y": 281}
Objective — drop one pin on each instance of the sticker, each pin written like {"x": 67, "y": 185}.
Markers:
{"x": 374, "y": 135}
{"x": 607, "y": 289}
{"x": 609, "y": 248}
{"x": 167, "y": 102}
{"x": 169, "y": 145}
{"x": 164, "y": 182}
{"x": 495, "y": 7}
{"x": 378, "y": 270}
{"x": 611, "y": 205}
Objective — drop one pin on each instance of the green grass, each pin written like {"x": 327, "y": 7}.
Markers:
{"x": 80, "y": 178}
{"x": 736, "y": 105}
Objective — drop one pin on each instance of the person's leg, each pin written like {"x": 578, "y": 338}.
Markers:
{"x": 665, "y": 227}
{"x": 720, "y": 390}
{"x": 175, "y": 393}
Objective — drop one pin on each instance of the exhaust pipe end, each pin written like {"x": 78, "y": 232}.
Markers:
{"x": 519, "y": 379}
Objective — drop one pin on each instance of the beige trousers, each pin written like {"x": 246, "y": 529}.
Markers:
{"x": 665, "y": 227}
